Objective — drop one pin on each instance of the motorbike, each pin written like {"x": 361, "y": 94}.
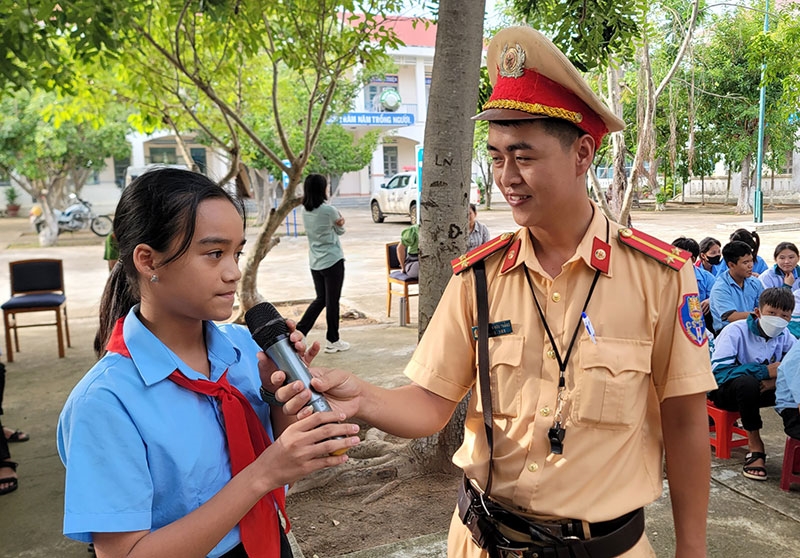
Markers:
{"x": 76, "y": 217}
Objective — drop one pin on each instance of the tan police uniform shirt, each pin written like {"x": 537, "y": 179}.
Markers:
{"x": 612, "y": 459}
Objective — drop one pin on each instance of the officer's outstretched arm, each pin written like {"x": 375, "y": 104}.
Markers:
{"x": 408, "y": 412}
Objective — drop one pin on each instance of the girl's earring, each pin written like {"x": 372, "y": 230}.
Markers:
{"x": 154, "y": 278}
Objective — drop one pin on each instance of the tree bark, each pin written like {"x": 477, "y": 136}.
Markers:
{"x": 449, "y": 134}
{"x": 744, "y": 207}
{"x": 620, "y": 187}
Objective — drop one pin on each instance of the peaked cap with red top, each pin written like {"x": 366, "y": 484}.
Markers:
{"x": 531, "y": 78}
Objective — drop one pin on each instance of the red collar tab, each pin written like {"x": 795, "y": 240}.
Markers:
{"x": 535, "y": 93}
{"x": 116, "y": 343}
{"x": 511, "y": 256}
{"x": 483, "y": 251}
{"x": 665, "y": 254}
{"x": 601, "y": 255}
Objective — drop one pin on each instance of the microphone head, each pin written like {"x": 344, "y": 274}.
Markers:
{"x": 266, "y": 324}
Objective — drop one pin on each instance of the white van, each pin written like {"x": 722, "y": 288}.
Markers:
{"x": 399, "y": 197}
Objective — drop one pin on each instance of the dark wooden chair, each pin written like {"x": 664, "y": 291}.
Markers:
{"x": 36, "y": 286}
{"x": 398, "y": 282}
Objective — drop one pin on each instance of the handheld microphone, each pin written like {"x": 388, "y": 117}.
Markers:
{"x": 269, "y": 330}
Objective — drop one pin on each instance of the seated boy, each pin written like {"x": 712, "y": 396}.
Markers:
{"x": 408, "y": 251}
{"x": 787, "y": 392}
{"x": 735, "y": 293}
{"x": 745, "y": 364}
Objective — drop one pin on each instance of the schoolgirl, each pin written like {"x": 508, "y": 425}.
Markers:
{"x": 168, "y": 447}
{"x": 711, "y": 256}
{"x": 785, "y": 271}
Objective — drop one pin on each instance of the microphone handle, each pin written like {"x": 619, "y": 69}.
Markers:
{"x": 286, "y": 359}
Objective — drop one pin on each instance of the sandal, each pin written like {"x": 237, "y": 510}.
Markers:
{"x": 752, "y": 472}
{"x": 18, "y": 436}
{"x": 12, "y": 482}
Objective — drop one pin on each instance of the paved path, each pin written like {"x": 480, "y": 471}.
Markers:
{"x": 746, "y": 518}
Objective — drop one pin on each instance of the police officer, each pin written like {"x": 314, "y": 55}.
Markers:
{"x": 583, "y": 341}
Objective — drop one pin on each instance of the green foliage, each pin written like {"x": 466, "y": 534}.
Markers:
{"x": 729, "y": 78}
{"x": 338, "y": 152}
{"x": 43, "y": 154}
{"x": 587, "y": 31}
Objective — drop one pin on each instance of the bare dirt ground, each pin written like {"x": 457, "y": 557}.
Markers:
{"x": 332, "y": 521}
{"x": 327, "y": 522}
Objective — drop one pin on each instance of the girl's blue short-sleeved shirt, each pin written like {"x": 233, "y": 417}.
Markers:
{"x": 141, "y": 451}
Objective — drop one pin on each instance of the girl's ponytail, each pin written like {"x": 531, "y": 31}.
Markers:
{"x": 117, "y": 300}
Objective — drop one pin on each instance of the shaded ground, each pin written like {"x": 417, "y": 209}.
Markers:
{"x": 328, "y": 524}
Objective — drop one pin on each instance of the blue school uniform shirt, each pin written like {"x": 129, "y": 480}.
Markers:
{"x": 787, "y": 386}
{"x": 741, "y": 348}
{"x": 726, "y": 295}
{"x": 716, "y": 270}
{"x": 705, "y": 281}
{"x": 773, "y": 277}
{"x": 141, "y": 451}
{"x": 759, "y": 265}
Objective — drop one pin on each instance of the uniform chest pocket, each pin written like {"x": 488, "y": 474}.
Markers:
{"x": 505, "y": 373}
{"x": 611, "y": 383}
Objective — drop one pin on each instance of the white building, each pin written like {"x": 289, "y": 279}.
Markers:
{"x": 404, "y": 127}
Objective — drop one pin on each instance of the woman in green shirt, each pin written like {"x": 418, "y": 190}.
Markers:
{"x": 324, "y": 224}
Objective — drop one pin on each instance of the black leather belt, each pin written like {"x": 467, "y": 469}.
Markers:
{"x": 490, "y": 522}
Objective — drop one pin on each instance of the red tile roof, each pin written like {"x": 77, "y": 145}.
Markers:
{"x": 423, "y": 34}
{"x": 414, "y": 32}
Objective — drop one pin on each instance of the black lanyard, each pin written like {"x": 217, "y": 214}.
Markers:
{"x": 557, "y": 432}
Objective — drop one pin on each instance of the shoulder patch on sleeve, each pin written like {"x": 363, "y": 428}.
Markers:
{"x": 465, "y": 261}
{"x": 666, "y": 254}
{"x": 691, "y": 317}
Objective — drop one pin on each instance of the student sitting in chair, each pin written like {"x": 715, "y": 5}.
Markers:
{"x": 745, "y": 364}
{"x": 408, "y": 251}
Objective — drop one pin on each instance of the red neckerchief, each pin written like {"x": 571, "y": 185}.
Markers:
{"x": 246, "y": 438}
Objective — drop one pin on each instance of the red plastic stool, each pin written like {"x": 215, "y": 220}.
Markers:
{"x": 724, "y": 429}
{"x": 791, "y": 463}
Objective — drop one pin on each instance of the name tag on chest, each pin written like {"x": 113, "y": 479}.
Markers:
{"x": 495, "y": 329}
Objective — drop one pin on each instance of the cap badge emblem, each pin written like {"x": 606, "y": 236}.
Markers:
{"x": 512, "y": 61}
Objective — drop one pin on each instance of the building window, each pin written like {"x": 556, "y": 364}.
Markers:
{"x": 163, "y": 155}
{"x": 373, "y": 91}
{"x": 198, "y": 155}
{"x": 427, "y": 88}
{"x": 389, "y": 160}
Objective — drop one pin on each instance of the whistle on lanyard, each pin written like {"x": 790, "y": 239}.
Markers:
{"x": 556, "y": 437}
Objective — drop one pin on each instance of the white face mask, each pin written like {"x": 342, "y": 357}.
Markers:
{"x": 772, "y": 325}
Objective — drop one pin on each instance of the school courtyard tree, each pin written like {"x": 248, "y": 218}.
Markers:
{"x": 613, "y": 38}
{"x": 318, "y": 49}
{"x": 49, "y": 157}
{"x": 729, "y": 74}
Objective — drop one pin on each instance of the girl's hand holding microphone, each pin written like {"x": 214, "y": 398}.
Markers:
{"x": 286, "y": 383}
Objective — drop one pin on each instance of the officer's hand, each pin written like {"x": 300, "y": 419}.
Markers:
{"x": 342, "y": 389}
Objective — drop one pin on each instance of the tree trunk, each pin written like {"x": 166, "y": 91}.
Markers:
{"x": 449, "y": 134}
{"x": 744, "y": 207}
{"x": 247, "y": 293}
{"x": 620, "y": 187}
{"x": 728, "y": 187}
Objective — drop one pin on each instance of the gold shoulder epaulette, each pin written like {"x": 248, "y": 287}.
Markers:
{"x": 666, "y": 254}
{"x": 465, "y": 261}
